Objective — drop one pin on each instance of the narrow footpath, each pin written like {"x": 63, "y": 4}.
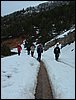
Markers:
{"x": 43, "y": 89}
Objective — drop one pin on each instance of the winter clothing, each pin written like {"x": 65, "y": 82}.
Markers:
{"x": 39, "y": 51}
{"x": 25, "y": 45}
{"x": 56, "y": 52}
{"x": 40, "y": 48}
{"x": 19, "y": 48}
{"x": 28, "y": 49}
{"x": 32, "y": 50}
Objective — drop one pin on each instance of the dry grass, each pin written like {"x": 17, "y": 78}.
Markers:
{"x": 12, "y": 43}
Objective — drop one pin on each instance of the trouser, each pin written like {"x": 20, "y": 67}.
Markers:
{"x": 28, "y": 52}
{"x": 56, "y": 56}
{"x": 39, "y": 56}
{"x": 18, "y": 52}
{"x": 32, "y": 53}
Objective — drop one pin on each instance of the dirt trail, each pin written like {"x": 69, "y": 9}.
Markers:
{"x": 43, "y": 89}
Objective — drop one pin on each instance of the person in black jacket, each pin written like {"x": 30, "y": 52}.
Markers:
{"x": 28, "y": 49}
{"x": 56, "y": 52}
{"x": 26, "y": 44}
{"x": 39, "y": 51}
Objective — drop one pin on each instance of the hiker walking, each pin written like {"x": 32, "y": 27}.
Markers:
{"x": 28, "y": 49}
{"x": 57, "y": 51}
{"x": 32, "y": 49}
{"x": 25, "y": 45}
{"x": 39, "y": 51}
{"x": 19, "y": 48}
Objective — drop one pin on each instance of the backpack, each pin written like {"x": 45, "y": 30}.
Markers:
{"x": 56, "y": 50}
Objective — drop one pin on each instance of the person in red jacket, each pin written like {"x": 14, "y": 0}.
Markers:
{"x": 19, "y": 48}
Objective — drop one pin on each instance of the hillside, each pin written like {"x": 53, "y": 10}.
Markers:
{"x": 66, "y": 37}
{"x": 37, "y": 24}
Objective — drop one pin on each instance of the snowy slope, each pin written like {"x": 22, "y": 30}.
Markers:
{"x": 18, "y": 76}
{"x": 61, "y": 73}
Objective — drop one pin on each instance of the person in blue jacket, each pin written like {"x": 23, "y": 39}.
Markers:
{"x": 39, "y": 51}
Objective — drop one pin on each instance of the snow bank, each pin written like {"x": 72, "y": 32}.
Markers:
{"x": 61, "y": 73}
{"x": 18, "y": 77}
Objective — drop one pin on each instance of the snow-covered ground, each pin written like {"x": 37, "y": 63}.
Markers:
{"x": 62, "y": 35}
{"x": 61, "y": 73}
{"x": 19, "y": 74}
{"x": 65, "y": 33}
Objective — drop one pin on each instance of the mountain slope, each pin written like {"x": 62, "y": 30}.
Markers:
{"x": 49, "y": 17}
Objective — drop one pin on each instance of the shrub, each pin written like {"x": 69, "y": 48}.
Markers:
{"x": 5, "y": 50}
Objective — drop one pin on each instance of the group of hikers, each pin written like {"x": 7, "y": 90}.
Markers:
{"x": 39, "y": 50}
{"x": 31, "y": 49}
